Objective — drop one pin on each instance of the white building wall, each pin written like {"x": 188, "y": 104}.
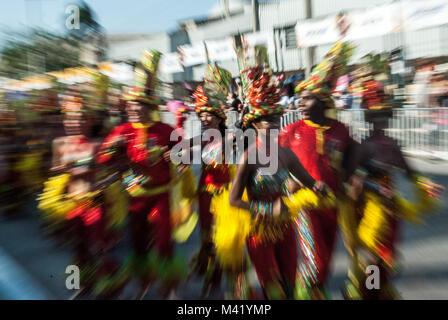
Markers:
{"x": 280, "y": 13}
{"x": 221, "y": 28}
{"x": 130, "y": 47}
{"x": 428, "y": 42}
{"x": 218, "y": 30}
{"x": 275, "y": 16}
{"x": 326, "y": 7}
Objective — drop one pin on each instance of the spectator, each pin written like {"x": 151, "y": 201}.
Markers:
{"x": 287, "y": 97}
{"x": 284, "y": 99}
{"x": 343, "y": 96}
{"x": 235, "y": 105}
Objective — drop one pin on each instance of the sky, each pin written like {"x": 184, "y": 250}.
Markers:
{"x": 116, "y": 16}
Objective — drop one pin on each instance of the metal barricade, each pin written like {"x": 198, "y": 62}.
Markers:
{"x": 422, "y": 129}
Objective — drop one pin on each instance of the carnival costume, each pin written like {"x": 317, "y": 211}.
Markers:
{"x": 148, "y": 179}
{"x": 271, "y": 242}
{"x": 85, "y": 219}
{"x": 320, "y": 149}
{"x": 372, "y": 229}
{"x": 215, "y": 173}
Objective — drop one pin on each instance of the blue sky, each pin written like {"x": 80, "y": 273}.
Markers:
{"x": 116, "y": 16}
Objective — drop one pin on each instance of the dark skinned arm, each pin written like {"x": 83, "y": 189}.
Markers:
{"x": 297, "y": 169}
{"x": 239, "y": 184}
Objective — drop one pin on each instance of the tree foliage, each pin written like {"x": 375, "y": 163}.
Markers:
{"x": 37, "y": 51}
{"x": 87, "y": 22}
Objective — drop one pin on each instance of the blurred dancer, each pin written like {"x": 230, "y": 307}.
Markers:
{"x": 140, "y": 149}
{"x": 71, "y": 203}
{"x": 379, "y": 203}
{"x": 215, "y": 173}
{"x": 271, "y": 241}
{"x": 320, "y": 143}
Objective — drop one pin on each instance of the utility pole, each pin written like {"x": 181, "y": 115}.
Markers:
{"x": 226, "y": 8}
{"x": 309, "y": 50}
{"x": 255, "y": 18}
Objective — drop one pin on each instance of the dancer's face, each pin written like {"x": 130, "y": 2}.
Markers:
{"x": 310, "y": 106}
{"x": 136, "y": 111}
{"x": 209, "y": 121}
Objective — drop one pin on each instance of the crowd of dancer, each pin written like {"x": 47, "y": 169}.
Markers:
{"x": 283, "y": 225}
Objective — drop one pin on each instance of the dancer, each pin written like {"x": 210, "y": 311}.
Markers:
{"x": 73, "y": 208}
{"x": 379, "y": 203}
{"x": 321, "y": 144}
{"x": 271, "y": 241}
{"x": 215, "y": 173}
{"x": 140, "y": 150}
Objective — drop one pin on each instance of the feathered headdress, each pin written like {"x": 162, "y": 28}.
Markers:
{"x": 324, "y": 76}
{"x": 145, "y": 79}
{"x": 213, "y": 95}
{"x": 263, "y": 94}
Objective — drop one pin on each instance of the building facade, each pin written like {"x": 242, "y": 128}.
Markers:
{"x": 278, "y": 18}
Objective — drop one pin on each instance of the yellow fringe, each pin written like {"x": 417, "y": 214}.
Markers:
{"x": 188, "y": 184}
{"x": 234, "y": 225}
{"x": 414, "y": 212}
{"x": 306, "y": 198}
{"x": 55, "y": 204}
{"x": 374, "y": 223}
{"x": 29, "y": 165}
{"x": 347, "y": 220}
{"x": 52, "y": 201}
{"x": 182, "y": 193}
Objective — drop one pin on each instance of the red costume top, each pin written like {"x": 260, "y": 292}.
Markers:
{"x": 320, "y": 149}
{"x": 143, "y": 147}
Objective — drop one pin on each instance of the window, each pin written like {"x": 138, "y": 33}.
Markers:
{"x": 290, "y": 37}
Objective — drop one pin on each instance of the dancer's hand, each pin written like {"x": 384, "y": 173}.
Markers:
{"x": 293, "y": 186}
{"x": 321, "y": 189}
{"x": 355, "y": 187}
{"x": 279, "y": 208}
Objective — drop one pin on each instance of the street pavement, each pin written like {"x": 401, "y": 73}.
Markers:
{"x": 33, "y": 267}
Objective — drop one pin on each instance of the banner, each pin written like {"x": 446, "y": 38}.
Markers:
{"x": 374, "y": 22}
{"x": 424, "y": 14}
{"x": 221, "y": 50}
{"x": 316, "y": 32}
{"x": 260, "y": 38}
{"x": 191, "y": 55}
{"x": 170, "y": 63}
